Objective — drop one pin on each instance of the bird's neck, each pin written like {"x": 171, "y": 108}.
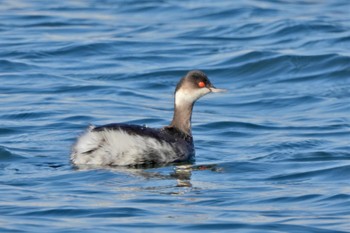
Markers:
{"x": 182, "y": 117}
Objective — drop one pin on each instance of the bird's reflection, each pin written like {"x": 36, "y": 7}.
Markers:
{"x": 182, "y": 173}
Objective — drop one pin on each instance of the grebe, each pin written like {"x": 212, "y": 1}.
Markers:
{"x": 130, "y": 145}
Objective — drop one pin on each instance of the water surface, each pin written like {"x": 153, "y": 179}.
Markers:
{"x": 272, "y": 154}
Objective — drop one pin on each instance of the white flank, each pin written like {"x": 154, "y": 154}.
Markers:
{"x": 116, "y": 147}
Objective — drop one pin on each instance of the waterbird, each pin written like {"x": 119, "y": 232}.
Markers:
{"x": 120, "y": 144}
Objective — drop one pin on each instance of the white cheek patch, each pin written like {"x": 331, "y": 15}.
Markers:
{"x": 189, "y": 96}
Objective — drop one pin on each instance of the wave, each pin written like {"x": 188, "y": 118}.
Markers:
{"x": 7, "y": 156}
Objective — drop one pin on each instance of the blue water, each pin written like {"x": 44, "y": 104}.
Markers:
{"x": 272, "y": 154}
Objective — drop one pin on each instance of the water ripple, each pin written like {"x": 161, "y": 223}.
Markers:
{"x": 272, "y": 154}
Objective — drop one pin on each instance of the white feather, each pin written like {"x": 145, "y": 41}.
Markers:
{"x": 185, "y": 96}
{"x": 117, "y": 147}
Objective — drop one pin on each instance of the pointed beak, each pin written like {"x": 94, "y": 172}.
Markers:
{"x": 214, "y": 89}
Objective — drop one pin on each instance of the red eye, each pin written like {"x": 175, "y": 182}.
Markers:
{"x": 201, "y": 84}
